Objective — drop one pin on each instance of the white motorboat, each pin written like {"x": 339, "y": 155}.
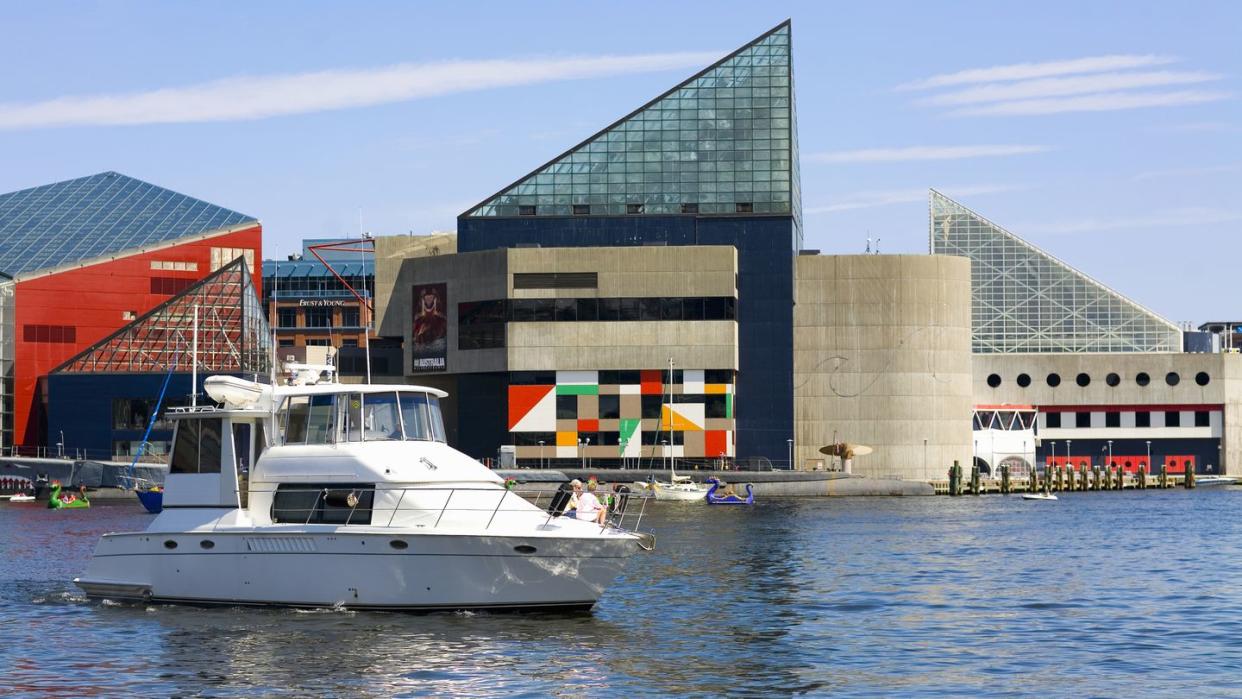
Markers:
{"x": 354, "y": 499}
{"x": 1214, "y": 481}
{"x": 1038, "y": 496}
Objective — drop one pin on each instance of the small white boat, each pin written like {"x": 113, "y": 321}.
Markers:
{"x": 22, "y": 497}
{"x": 1214, "y": 481}
{"x": 681, "y": 488}
{"x": 1038, "y": 496}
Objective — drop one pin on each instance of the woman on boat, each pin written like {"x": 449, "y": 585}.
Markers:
{"x": 589, "y": 506}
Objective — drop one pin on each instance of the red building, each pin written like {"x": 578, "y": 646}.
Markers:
{"x": 86, "y": 257}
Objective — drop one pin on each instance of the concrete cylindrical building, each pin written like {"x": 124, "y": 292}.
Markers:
{"x": 882, "y": 358}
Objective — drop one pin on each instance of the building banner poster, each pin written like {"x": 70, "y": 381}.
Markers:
{"x": 429, "y": 336}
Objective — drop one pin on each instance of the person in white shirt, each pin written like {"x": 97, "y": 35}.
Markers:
{"x": 589, "y": 506}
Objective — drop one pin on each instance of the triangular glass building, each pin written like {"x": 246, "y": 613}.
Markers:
{"x": 94, "y": 216}
{"x": 1026, "y": 300}
{"x": 233, "y": 333}
{"x": 722, "y": 142}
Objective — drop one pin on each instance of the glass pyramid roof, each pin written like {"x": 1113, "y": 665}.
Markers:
{"x": 722, "y": 142}
{"x": 233, "y": 334}
{"x": 89, "y": 217}
{"x": 1026, "y": 300}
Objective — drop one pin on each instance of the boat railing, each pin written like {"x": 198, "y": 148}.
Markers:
{"x": 399, "y": 506}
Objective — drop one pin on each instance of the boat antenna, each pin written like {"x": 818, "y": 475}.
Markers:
{"x": 194, "y": 362}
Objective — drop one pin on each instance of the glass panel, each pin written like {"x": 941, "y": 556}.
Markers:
{"x": 437, "y": 419}
{"x": 381, "y": 417}
{"x": 319, "y": 425}
{"x": 185, "y": 448}
{"x": 293, "y": 419}
{"x": 414, "y": 414}
{"x": 349, "y": 411}
{"x": 209, "y": 456}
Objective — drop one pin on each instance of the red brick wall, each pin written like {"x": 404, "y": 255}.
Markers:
{"x": 93, "y": 300}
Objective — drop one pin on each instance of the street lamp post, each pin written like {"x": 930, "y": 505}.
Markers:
{"x": 1053, "y": 459}
{"x": 541, "y": 453}
{"x": 790, "y": 443}
{"x": 1069, "y": 452}
{"x": 1110, "y": 453}
{"x": 60, "y": 446}
{"x": 1149, "y": 456}
{"x": 664, "y": 446}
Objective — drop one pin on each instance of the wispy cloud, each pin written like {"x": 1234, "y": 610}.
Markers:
{"x": 1077, "y": 85}
{"x": 1188, "y": 172}
{"x": 1026, "y": 71}
{"x": 1100, "y": 102}
{"x": 876, "y": 198}
{"x": 1167, "y": 218}
{"x": 259, "y": 97}
{"x": 911, "y": 153}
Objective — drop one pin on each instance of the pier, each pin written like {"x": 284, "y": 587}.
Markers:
{"x": 1060, "y": 479}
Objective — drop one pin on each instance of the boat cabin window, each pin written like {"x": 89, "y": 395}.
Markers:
{"x": 361, "y": 416}
{"x": 197, "y": 446}
{"x": 323, "y": 503}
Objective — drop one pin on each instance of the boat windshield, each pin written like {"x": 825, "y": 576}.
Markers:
{"x": 328, "y": 418}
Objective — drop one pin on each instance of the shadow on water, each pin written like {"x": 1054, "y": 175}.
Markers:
{"x": 920, "y": 596}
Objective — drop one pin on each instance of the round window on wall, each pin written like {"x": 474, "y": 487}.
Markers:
{"x": 993, "y": 380}
{"x": 1142, "y": 378}
{"x": 1024, "y": 380}
{"x": 1112, "y": 379}
{"x": 1202, "y": 378}
{"x": 1083, "y": 379}
{"x": 1054, "y": 379}
{"x": 1172, "y": 378}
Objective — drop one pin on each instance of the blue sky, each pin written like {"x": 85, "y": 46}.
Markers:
{"x": 1108, "y": 133}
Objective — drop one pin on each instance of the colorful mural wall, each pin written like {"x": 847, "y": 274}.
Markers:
{"x": 622, "y": 414}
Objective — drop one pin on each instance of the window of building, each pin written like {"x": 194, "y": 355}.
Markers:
{"x": 1172, "y": 418}
{"x": 566, "y": 407}
{"x": 716, "y": 405}
{"x": 1202, "y": 378}
{"x": 351, "y": 318}
{"x": 651, "y": 407}
{"x": 285, "y": 342}
{"x": 286, "y": 317}
{"x": 128, "y": 315}
{"x": 1172, "y": 378}
{"x": 1053, "y": 420}
{"x": 718, "y": 376}
{"x": 1202, "y": 418}
{"x": 582, "y": 209}
{"x": 555, "y": 280}
{"x": 689, "y": 208}
{"x": 349, "y": 342}
{"x": 1112, "y": 379}
{"x": 174, "y": 266}
{"x": 50, "y": 333}
{"x": 526, "y": 210}
{"x": 633, "y": 208}
{"x": 318, "y": 317}
{"x": 994, "y": 380}
{"x": 1082, "y": 419}
{"x": 744, "y": 207}
{"x": 1024, "y": 380}
{"x": 1083, "y": 379}
{"x": 1054, "y": 379}
{"x": 1142, "y": 419}
{"x": 170, "y": 286}
{"x": 1112, "y": 419}
{"x": 609, "y": 407}
{"x": 222, "y": 256}
{"x": 1142, "y": 378}
{"x": 318, "y": 342}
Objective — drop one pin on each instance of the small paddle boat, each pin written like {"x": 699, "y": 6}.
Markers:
{"x": 67, "y": 501}
{"x": 1038, "y": 496}
{"x": 152, "y": 499}
{"x": 22, "y": 497}
{"x": 727, "y": 496}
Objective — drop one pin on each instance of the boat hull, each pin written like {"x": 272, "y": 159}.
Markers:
{"x": 357, "y": 570}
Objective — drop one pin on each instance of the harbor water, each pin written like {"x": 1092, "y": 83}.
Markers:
{"x": 1097, "y": 594}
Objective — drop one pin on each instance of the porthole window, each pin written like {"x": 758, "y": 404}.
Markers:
{"x": 1172, "y": 378}
{"x": 1202, "y": 378}
{"x": 1112, "y": 379}
{"x": 994, "y": 380}
{"x": 1083, "y": 379}
{"x": 207, "y": 544}
{"x": 1054, "y": 379}
{"x": 1142, "y": 378}
{"x": 170, "y": 544}
{"x": 1024, "y": 380}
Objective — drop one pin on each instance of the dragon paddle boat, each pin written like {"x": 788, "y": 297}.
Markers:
{"x": 726, "y": 496}
{"x": 61, "y": 500}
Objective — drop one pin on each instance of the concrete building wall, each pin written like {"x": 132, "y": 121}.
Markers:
{"x": 882, "y": 358}
{"x": 1222, "y": 372}
{"x": 392, "y": 253}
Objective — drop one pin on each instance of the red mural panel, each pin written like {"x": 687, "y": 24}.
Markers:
{"x": 1178, "y": 463}
{"x": 716, "y": 443}
{"x": 588, "y": 425}
{"x": 94, "y": 301}
{"x": 651, "y": 383}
